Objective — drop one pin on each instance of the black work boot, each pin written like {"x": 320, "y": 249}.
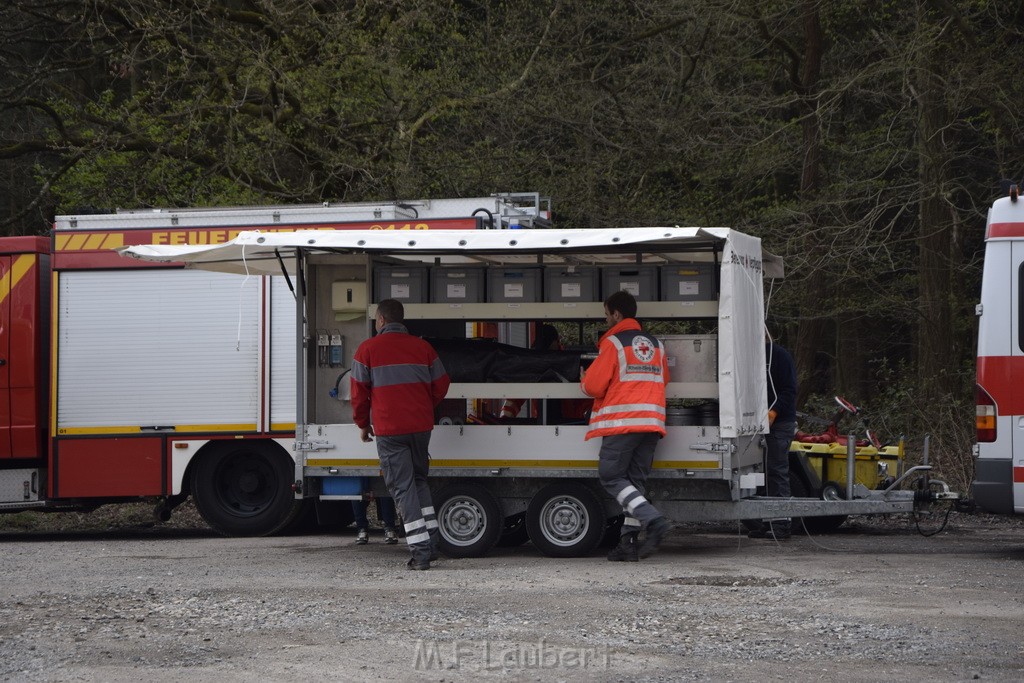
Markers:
{"x": 778, "y": 531}
{"x": 627, "y": 550}
{"x": 418, "y": 564}
{"x": 656, "y": 531}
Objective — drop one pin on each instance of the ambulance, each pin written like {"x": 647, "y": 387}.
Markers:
{"x": 999, "y": 451}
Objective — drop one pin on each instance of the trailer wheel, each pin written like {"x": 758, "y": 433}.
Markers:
{"x": 469, "y": 520}
{"x": 514, "y": 532}
{"x": 565, "y": 519}
{"x": 825, "y": 525}
{"x": 245, "y": 489}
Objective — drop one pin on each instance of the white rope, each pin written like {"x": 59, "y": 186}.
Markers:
{"x": 241, "y": 298}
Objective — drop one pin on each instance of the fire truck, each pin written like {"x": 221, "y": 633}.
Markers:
{"x": 999, "y": 451}
{"x": 122, "y": 380}
{"x": 535, "y": 477}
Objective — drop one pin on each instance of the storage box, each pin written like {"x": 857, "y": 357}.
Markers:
{"x": 407, "y": 284}
{"x": 691, "y": 357}
{"x": 571, "y": 283}
{"x": 688, "y": 282}
{"x": 640, "y": 281}
{"x": 507, "y": 284}
{"x": 457, "y": 285}
{"x": 346, "y": 488}
{"x": 872, "y": 467}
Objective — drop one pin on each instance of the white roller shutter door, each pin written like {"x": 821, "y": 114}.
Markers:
{"x": 282, "y": 355}
{"x": 150, "y": 348}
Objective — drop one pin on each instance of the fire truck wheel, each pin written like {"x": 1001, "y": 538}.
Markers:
{"x": 565, "y": 519}
{"x": 514, "y": 532}
{"x": 245, "y": 489}
{"x": 469, "y": 520}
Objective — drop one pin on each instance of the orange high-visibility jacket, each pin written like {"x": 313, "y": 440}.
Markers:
{"x": 627, "y": 382}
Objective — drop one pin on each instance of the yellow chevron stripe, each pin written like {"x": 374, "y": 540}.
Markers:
{"x": 21, "y": 265}
{"x": 114, "y": 241}
{"x": 94, "y": 241}
{"x": 75, "y": 242}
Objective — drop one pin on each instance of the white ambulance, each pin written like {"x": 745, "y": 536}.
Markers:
{"x": 999, "y": 468}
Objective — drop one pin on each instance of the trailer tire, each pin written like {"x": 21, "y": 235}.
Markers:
{"x": 514, "y": 532}
{"x": 565, "y": 519}
{"x": 244, "y": 489}
{"x": 825, "y": 525}
{"x": 469, "y": 520}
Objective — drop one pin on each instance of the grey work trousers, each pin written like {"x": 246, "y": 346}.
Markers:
{"x": 405, "y": 463}
{"x": 777, "y": 444}
{"x": 625, "y": 461}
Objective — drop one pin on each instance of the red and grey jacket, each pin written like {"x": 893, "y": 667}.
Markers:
{"x": 400, "y": 379}
{"x": 627, "y": 382}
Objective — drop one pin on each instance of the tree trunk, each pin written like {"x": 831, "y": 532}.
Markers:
{"x": 935, "y": 233}
{"x": 812, "y": 332}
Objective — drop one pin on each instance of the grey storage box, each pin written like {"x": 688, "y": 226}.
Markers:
{"x": 457, "y": 285}
{"x": 407, "y": 284}
{"x": 688, "y": 282}
{"x": 514, "y": 285}
{"x": 571, "y": 283}
{"x": 640, "y": 281}
{"x": 691, "y": 357}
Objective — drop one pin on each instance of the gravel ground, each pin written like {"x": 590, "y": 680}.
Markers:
{"x": 118, "y": 598}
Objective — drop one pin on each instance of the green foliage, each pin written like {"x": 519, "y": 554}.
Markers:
{"x": 802, "y": 123}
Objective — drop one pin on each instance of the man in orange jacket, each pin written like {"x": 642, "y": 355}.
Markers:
{"x": 627, "y": 381}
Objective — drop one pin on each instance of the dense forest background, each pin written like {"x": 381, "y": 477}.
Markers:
{"x": 863, "y": 141}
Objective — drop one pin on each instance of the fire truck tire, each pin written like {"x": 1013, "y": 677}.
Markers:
{"x": 469, "y": 519}
{"x": 514, "y": 532}
{"x": 244, "y": 489}
{"x": 566, "y": 519}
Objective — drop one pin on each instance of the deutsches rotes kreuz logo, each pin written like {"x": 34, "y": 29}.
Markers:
{"x": 643, "y": 349}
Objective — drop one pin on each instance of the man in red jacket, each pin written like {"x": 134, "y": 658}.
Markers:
{"x": 401, "y": 380}
{"x": 627, "y": 381}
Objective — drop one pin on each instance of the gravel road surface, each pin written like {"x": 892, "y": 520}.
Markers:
{"x": 875, "y": 602}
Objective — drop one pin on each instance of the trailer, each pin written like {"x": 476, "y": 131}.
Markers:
{"x": 125, "y": 381}
{"x": 492, "y": 480}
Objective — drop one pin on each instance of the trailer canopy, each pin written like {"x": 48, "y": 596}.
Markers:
{"x": 262, "y": 253}
{"x": 741, "y": 360}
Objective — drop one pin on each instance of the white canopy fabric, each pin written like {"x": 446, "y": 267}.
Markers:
{"x": 263, "y": 253}
{"x": 742, "y": 382}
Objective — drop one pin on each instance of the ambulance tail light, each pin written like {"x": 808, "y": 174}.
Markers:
{"x": 985, "y": 415}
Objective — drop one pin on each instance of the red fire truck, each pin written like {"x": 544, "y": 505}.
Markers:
{"x": 122, "y": 380}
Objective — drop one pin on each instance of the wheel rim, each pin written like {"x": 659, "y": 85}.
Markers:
{"x": 462, "y": 521}
{"x": 831, "y": 492}
{"x": 246, "y": 484}
{"x": 564, "y": 521}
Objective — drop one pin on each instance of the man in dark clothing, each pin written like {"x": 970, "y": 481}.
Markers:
{"x": 782, "y": 429}
{"x": 400, "y": 378}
